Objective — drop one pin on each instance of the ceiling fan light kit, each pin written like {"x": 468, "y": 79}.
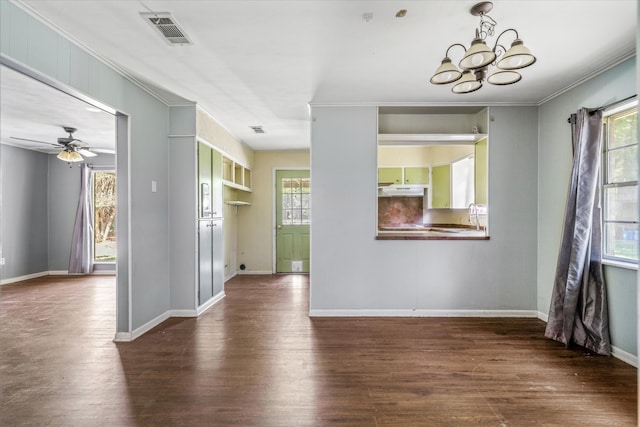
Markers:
{"x": 475, "y": 63}
{"x": 70, "y": 155}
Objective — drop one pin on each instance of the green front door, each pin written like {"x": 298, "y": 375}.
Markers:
{"x": 293, "y": 216}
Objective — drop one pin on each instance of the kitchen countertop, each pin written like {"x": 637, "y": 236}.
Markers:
{"x": 432, "y": 232}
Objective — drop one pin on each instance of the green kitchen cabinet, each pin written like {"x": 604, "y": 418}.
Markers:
{"x": 390, "y": 175}
{"x": 416, "y": 175}
{"x": 441, "y": 188}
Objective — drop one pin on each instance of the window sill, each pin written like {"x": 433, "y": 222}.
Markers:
{"x": 620, "y": 264}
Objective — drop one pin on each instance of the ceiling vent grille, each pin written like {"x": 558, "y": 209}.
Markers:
{"x": 168, "y": 27}
{"x": 257, "y": 129}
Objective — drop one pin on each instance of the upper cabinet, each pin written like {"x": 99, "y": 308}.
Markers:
{"x": 209, "y": 182}
{"x": 416, "y": 175}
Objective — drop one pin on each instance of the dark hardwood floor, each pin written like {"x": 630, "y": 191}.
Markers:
{"x": 257, "y": 359}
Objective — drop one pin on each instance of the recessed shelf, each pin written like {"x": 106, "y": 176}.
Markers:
{"x": 429, "y": 138}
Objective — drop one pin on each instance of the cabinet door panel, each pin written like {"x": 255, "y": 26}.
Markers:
{"x": 217, "y": 257}
{"x": 390, "y": 175}
{"x": 441, "y": 193}
{"x": 204, "y": 181}
{"x": 205, "y": 261}
{"x": 216, "y": 184}
{"x": 416, "y": 175}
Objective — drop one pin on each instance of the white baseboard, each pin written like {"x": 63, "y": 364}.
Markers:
{"x": 58, "y": 272}
{"x": 423, "y": 313}
{"x": 616, "y": 352}
{"x": 103, "y": 273}
{"x": 22, "y": 278}
{"x": 625, "y": 356}
{"x": 128, "y": 337}
{"x": 149, "y": 325}
{"x": 231, "y": 276}
{"x": 207, "y": 305}
{"x": 256, "y": 272}
{"x": 183, "y": 313}
{"x": 122, "y": 337}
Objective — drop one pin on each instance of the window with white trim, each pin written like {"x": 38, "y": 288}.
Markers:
{"x": 104, "y": 216}
{"x": 620, "y": 184}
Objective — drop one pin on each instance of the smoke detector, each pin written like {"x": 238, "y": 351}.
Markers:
{"x": 166, "y": 24}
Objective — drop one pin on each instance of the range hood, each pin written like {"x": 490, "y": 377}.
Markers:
{"x": 402, "y": 190}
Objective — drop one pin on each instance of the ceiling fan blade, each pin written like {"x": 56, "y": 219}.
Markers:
{"x": 35, "y": 140}
{"x": 103, "y": 150}
{"x": 86, "y": 153}
{"x": 77, "y": 143}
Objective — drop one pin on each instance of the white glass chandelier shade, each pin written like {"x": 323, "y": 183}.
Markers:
{"x": 467, "y": 83}
{"x": 518, "y": 56}
{"x": 504, "y": 77}
{"x": 446, "y": 73}
{"x": 69, "y": 156}
{"x": 477, "y": 56}
{"x": 496, "y": 65}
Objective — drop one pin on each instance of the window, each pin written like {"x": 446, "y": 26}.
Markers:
{"x": 296, "y": 193}
{"x": 462, "y": 183}
{"x": 620, "y": 185}
{"x": 104, "y": 216}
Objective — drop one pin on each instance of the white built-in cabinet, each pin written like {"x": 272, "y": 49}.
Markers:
{"x": 210, "y": 224}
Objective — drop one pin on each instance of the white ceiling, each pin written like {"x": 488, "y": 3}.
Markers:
{"x": 32, "y": 110}
{"x": 262, "y": 62}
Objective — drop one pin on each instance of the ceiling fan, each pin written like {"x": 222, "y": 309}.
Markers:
{"x": 73, "y": 149}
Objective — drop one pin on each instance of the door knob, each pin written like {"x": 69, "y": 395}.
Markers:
{"x": 279, "y": 226}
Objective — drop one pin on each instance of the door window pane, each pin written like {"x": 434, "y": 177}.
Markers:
{"x": 296, "y": 195}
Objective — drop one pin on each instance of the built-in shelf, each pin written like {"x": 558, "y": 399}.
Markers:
{"x": 235, "y": 174}
{"x": 429, "y": 138}
{"x": 237, "y": 203}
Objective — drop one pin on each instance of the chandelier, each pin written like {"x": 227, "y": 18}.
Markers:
{"x": 474, "y": 65}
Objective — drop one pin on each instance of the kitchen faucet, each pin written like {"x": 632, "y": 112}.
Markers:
{"x": 474, "y": 211}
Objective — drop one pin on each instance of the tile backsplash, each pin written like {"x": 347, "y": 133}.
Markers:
{"x": 407, "y": 211}
{"x": 399, "y": 211}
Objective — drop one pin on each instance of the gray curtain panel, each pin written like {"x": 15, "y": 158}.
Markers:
{"x": 81, "y": 259}
{"x": 578, "y": 311}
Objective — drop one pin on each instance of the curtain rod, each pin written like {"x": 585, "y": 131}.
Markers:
{"x": 604, "y": 107}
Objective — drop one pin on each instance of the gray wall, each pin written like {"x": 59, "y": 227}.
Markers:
{"x": 24, "y": 213}
{"x": 554, "y": 169}
{"x": 40, "y": 198}
{"x": 352, "y": 272}
{"x": 143, "y": 273}
{"x": 63, "y": 192}
{"x": 183, "y": 206}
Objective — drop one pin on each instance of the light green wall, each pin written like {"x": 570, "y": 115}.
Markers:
{"x": 481, "y": 172}
{"x": 255, "y": 222}
{"x": 554, "y": 169}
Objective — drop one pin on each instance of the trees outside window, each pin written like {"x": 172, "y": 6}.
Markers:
{"x": 104, "y": 216}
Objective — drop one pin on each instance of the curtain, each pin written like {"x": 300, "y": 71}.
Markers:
{"x": 81, "y": 259}
{"x": 578, "y": 311}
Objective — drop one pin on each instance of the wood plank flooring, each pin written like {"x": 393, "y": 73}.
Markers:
{"x": 257, "y": 359}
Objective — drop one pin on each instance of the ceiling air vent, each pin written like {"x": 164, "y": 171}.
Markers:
{"x": 257, "y": 129}
{"x": 168, "y": 27}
